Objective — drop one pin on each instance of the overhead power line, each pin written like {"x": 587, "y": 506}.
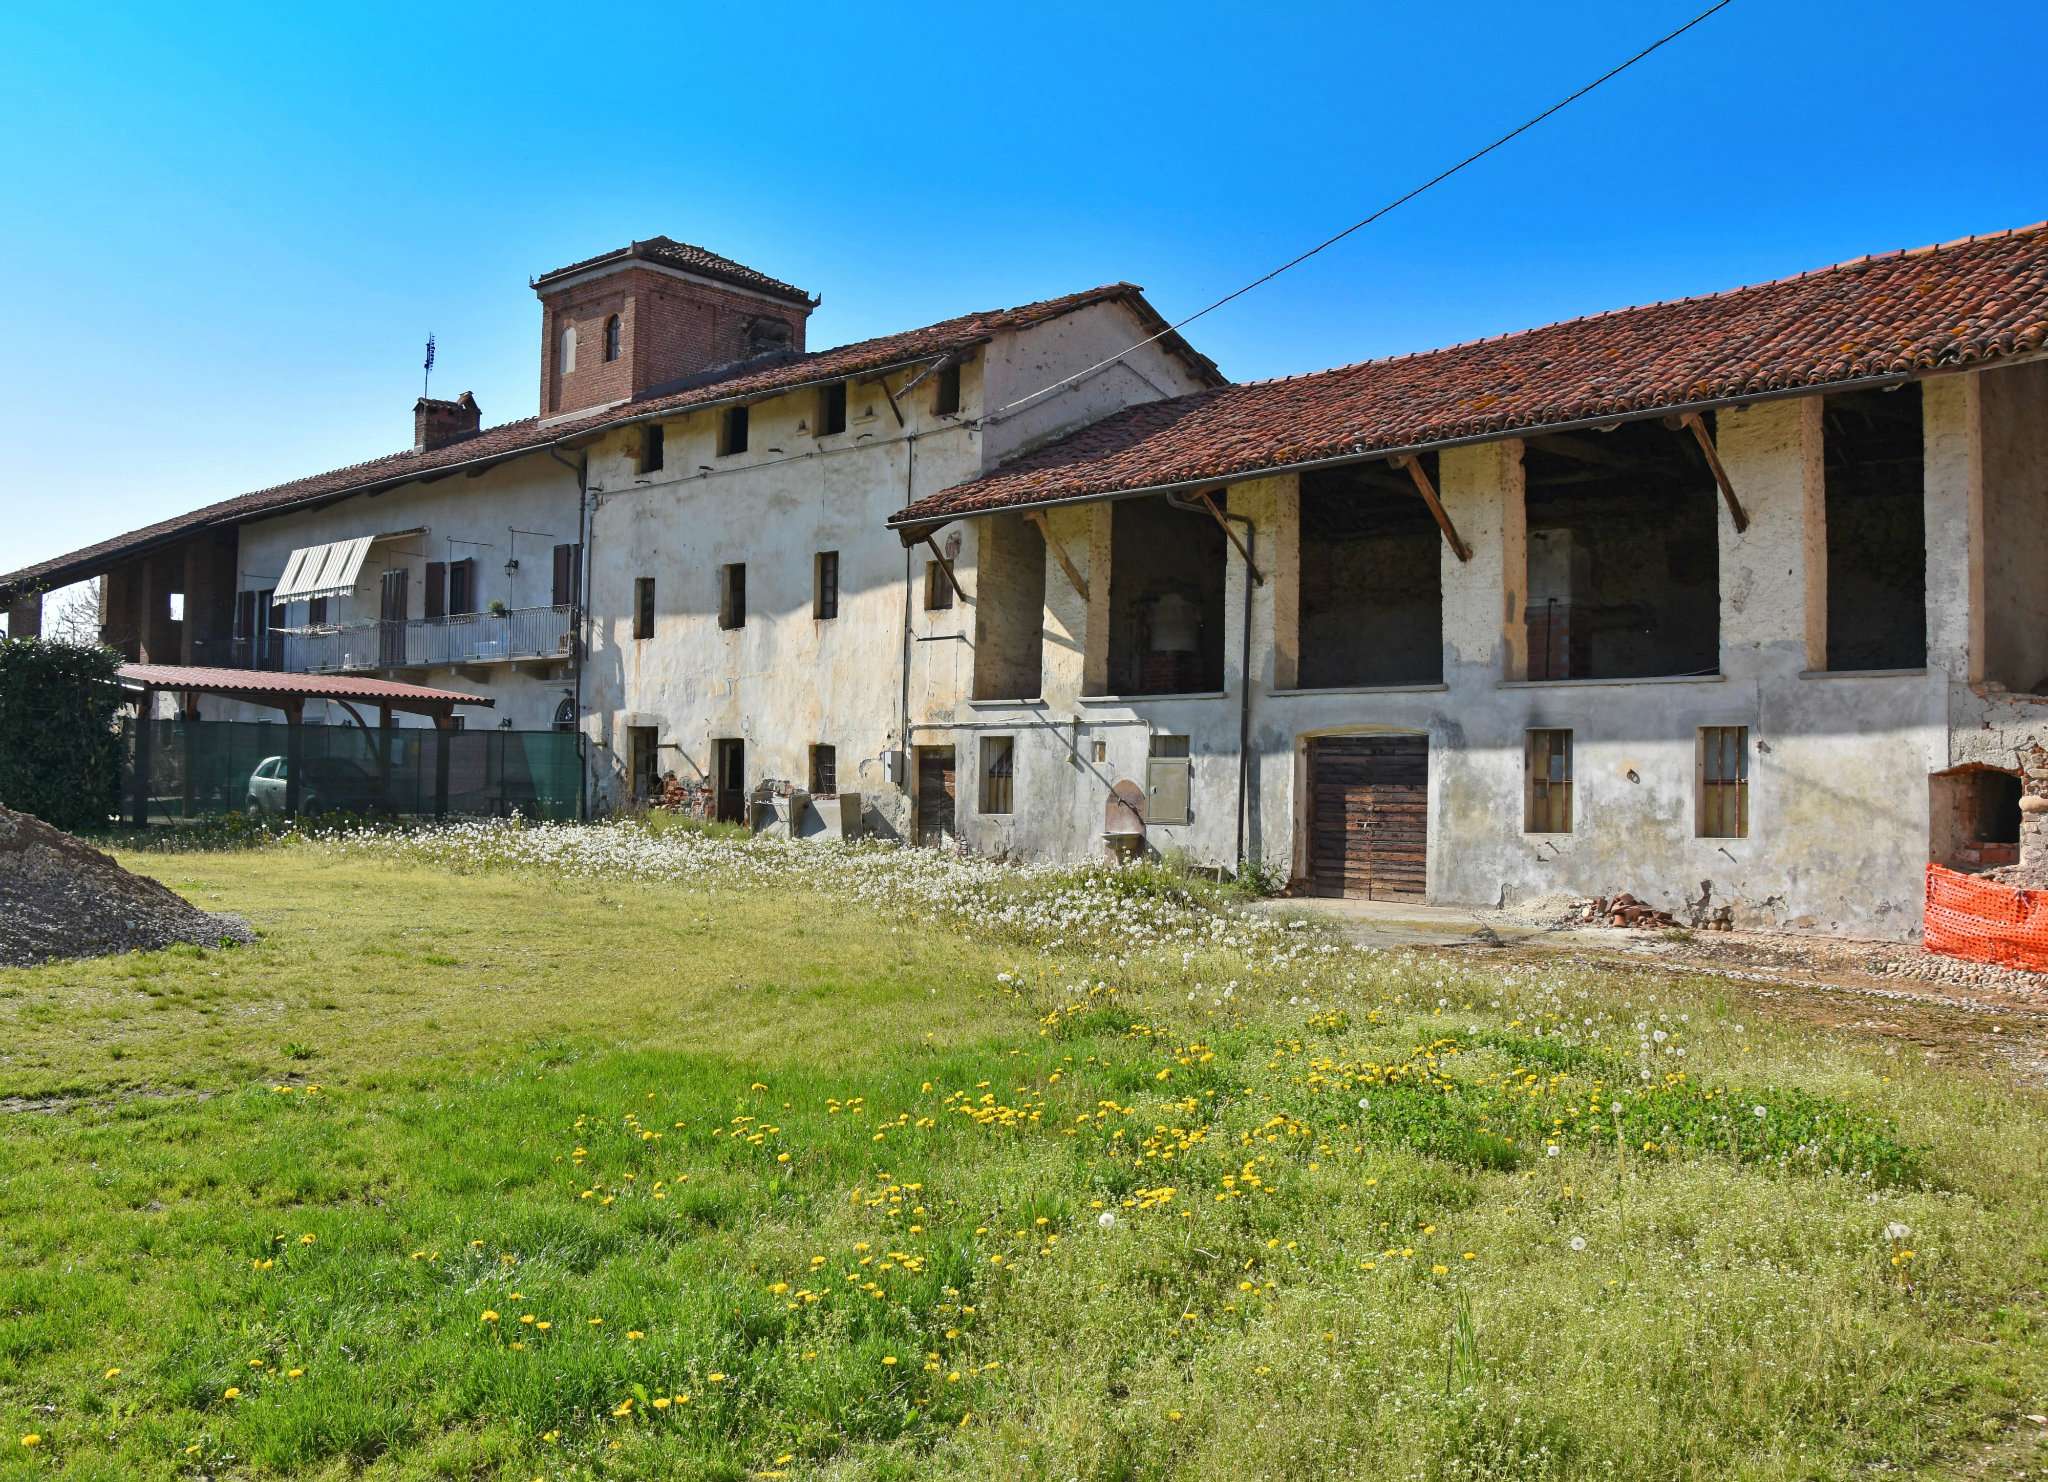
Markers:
{"x": 1399, "y": 201}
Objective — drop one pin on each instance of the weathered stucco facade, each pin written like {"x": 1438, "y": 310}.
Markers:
{"x": 787, "y": 679}
{"x": 1843, "y": 782}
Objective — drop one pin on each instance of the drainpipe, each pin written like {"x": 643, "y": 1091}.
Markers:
{"x": 1244, "y": 660}
{"x": 581, "y": 468}
{"x": 903, "y": 779}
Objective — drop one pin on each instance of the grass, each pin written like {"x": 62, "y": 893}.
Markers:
{"x": 873, "y": 1166}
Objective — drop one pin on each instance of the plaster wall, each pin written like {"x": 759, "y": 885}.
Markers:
{"x": 533, "y": 493}
{"x": 788, "y": 680}
{"x": 1838, "y": 764}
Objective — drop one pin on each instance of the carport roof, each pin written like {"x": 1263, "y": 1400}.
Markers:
{"x": 271, "y": 684}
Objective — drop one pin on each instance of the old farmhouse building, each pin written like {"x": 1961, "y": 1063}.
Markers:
{"x": 1732, "y": 602}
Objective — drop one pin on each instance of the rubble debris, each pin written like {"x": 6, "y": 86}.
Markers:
{"x": 61, "y": 898}
{"x": 1620, "y": 910}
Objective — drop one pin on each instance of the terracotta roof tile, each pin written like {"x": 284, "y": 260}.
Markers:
{"x": 690, "y": 259}
{"x": 1904, "y": 314}
{"x": 529, "y": 435}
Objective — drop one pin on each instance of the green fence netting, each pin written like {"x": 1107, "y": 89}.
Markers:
{"x": 204, "y": 768}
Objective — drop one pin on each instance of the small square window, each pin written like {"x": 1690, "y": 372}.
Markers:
{"x": 998, "y": 773}
{"x": 946, "y": 392}
{"x": 1547, "y": 796}
{"x": 938, "y": 587}
{"x": 652, "y": 451}
{"x": 643, "y": 607}
{"x": 732, "y": 595}
{"x": 825, "y": 585}
{"x": 824, "y": 772}
{"x": 1722, "y": 807}
{"x": 732, "y": 432}
{"x": 831, "y": 408}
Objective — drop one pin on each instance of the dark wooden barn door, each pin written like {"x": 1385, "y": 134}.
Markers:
{"x": 935, "y": 780}
{"x": 1369, "y": 816}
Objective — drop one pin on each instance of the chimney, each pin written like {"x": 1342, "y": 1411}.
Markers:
{"x": 435, "y": 423}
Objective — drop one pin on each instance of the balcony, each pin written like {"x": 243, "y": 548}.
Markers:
{"x": 525, "y": 637}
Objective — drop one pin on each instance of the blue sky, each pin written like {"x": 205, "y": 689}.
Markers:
{"x": 228, "y": 230}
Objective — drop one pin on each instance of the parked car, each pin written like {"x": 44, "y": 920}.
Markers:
{"x": 326, "y": 785}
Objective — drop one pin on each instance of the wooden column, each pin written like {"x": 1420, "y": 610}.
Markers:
{"x": 138, "y": 807}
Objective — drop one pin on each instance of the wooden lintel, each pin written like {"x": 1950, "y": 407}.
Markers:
{"x": 1420, "y": 477}
{"x": 1037, "y": 517}
{"x": 1209, "y": 501}
{"x": 947, "y": 567}
{"x": 1705, "y": 439}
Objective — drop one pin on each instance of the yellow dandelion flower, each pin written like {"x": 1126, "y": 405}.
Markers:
{"x": 294, "y": 1373}
{"x": 889, "y": 1361}
{"x": 31, "y": 1439}
{"x": 660, "y": 1402}
{"x": 113, "y": 1374}
{"x": 308, "y": 1239}
{"x": 634, "y": 1335}
{"x": 489, "y": 1316}
{"x": 231, "y": 1393}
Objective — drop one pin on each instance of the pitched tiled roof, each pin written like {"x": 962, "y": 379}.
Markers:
{"x": 752, "y": 379}
{"x": 699, "y": 260}
{"x": 1903, "y": 314}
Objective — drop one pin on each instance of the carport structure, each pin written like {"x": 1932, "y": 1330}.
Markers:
{"x": 289, "y": 693}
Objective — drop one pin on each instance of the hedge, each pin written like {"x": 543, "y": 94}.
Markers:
{"x": 60, "y": 753}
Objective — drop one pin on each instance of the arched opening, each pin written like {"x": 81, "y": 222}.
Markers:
{"x": 567, "y": 358}
{"x": 611, "y": 338}
{"x": 565, "y": 714}
{"x": 1974, "y": 818}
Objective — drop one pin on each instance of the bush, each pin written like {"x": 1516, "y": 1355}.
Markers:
{"x": 60, "y": 754}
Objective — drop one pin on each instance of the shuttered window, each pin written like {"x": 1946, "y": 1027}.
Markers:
{"x": 437, "y": 589}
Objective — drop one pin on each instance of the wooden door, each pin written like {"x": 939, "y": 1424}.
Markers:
{"x": 730, "y": 763}
{"x": 1369, "y": 816}
{"x": 936, "y": 779}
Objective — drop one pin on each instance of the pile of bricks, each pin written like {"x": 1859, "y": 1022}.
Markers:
{"x": 1623, "y": 910}
{"x": 693, "y": 799}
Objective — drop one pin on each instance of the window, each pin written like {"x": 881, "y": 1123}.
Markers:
{"x": 611, "y": 338}
{"x": 1723, "y": 805}
{"x": 732, "y": 595}
{"x": 1547, "y": 799}
{"x": 1876, "y": 529}
{"x": 568, "y": 584}
{"x": 946, "y": 392}
{"x": 938, "y": 590}
{"x": 824, "y": 772}
{"x": 565, "y": 714}
{"x": 832, "y": 408}
{"x": 461, "y": 586}
{"x": 652, "y": 450}
{"x": 825, "y": 585}
{"x": 643, "y": 607}
{"x": 567, "y": 358}
{"x": 998, "y": 770}
{"x": 732, "y": 432}
{"x": 643, "y": 750}
{"x": 1168, "y": 780}
{"x": 316, "y": 612}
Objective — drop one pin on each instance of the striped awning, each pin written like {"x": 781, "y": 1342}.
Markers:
{"x": 323, "y": 570}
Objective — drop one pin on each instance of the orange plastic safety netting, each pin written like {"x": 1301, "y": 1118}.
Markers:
{"x": 1986, "y": 922}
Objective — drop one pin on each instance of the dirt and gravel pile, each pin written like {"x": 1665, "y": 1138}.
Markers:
{"x": 62, "y": 898}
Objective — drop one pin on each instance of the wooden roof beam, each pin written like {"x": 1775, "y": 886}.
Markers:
{"x": 1698, "y": 427}
{"x": 1427, "y": 490}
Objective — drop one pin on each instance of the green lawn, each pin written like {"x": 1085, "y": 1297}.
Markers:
{"x": 600, "y": 1153}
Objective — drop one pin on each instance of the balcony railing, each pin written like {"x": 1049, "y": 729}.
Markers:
{"x": 356, "y": 648}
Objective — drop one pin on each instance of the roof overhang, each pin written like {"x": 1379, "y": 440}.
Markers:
{"x": 911, "y": 531}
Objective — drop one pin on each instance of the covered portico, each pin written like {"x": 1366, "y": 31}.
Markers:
{"x": 289, "y": 693}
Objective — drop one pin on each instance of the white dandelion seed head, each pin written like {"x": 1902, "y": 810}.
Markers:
{"x": 1578, "y": 1242}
